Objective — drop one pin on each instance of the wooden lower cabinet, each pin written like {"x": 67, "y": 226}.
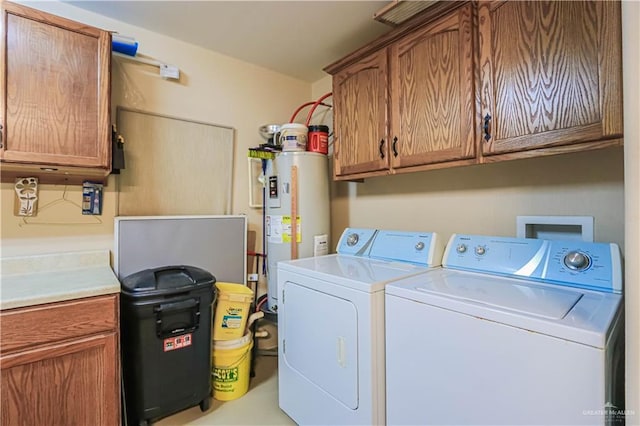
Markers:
{"x": 65, "y": 381}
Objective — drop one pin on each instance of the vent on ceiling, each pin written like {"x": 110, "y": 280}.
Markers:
{"x": 398, "y": 11}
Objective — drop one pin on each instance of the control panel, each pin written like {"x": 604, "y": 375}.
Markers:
{"x": 356, "y": 242}
{"x": 595, "y": 266}
{"x": 421, "y": 248}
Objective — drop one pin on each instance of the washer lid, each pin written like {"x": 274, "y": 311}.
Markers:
{"x": 355, "y": 272}
{"x": 577, "y": 315}
{"x": 540, "y": 301}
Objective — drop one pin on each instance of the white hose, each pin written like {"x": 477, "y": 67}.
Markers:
{"x": 262, "y": 333}
{"x": 253, "y": 317}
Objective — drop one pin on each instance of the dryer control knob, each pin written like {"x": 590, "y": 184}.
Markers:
{"x": 352, "y": 239}
{"x": 419, "y": 246}
{"x": 577, "y": 261}
{"x": 461, "y": 248}
{"x": 480, "y": 250}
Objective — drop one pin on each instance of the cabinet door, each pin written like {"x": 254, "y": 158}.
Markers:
{"x": 56, "y": 102}
{"x": 432, "y": 94}
{"x": 360, "y": 117}
{"x": 74, "y": 383}
{"x": 550, "y": 73}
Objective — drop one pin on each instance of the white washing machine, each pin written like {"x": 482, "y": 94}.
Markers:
{"x": 508, "y": 331}
{"x": 331, "y": 324}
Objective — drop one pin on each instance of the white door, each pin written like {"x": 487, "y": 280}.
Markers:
{"x": 320, "y": 341}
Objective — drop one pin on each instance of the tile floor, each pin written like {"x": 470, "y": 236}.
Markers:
{"x": 259, "y": 406}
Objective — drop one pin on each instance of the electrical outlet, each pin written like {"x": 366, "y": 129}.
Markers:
{"x": 252, "y": 278}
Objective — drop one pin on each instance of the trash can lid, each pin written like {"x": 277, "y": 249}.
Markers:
{"x": 166, "y": 280}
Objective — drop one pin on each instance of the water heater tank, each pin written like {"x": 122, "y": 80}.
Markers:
{"x": 312, "y": 206}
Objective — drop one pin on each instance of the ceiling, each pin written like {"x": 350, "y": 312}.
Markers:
{"x": 296, "y": 38}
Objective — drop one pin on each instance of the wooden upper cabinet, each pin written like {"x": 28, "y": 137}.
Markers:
{"x": 55, "y": 106}
{"x": 407, "y": 102}
{"x": 473, "y": 82}
{"x": 550, "y": 74}
{"x": 432, "y": 93}
{"x": 360, "y": 96}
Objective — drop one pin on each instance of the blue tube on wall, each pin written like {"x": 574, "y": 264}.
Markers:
{"x": 124, "y": 44}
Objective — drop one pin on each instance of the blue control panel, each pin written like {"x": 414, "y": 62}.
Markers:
{"x": 356, "y": 242}
{"x": 420, "y": 248}
{"x": 400, "y": 246}
{"x": 595, "y": 266}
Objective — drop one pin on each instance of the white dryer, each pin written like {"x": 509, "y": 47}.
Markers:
{"x": 509, "y": 331}
{"x": 331, "y": 324}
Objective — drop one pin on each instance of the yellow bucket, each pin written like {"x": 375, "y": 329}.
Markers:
{"x": 232, "y": 311}
{"x": 231, "y": 367}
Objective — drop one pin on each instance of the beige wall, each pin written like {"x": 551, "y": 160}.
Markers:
{"x": 486, "y": 199}
{"x": 59, "y": 225}
{"x": 631, "y": 71}
{"x": 213, "y": 88}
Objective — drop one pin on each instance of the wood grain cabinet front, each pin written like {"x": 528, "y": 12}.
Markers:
{"x": 477, "y": 82}
{"x": 550, "y": 77}
{"x": 56, "y": 98}
{"x": 432, "y": 97}
{"x": 409, "y": 105}
{"x": 60, "y": 364}
{"x": 360, "y": 95}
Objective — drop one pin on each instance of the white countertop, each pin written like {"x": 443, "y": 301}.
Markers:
{"x": 35, "y": 280}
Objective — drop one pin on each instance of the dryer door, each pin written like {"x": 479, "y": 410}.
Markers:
{"x": 320, "y": 341}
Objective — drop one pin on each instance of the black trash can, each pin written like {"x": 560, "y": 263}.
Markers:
{"x": 166, "y": 317}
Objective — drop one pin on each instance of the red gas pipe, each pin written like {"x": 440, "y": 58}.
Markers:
{"x": 293, "y": 117}
{"x": 315, "y": 105}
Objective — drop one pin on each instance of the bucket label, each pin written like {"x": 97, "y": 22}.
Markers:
{"x": 231, "y": 321}
{"x": 297, "y": 142}
{"x": 225, "y": 375}
{"x": 179, "y": 342}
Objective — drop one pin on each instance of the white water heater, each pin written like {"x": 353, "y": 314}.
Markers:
{"x": 295, "y": 180}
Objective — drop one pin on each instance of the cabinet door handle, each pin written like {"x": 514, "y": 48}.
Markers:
{"x": 394, "y": 146}
{"x": 1, "y": 145}
{"x": 380, "y": 148}
{"x": 486, "y": 128}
